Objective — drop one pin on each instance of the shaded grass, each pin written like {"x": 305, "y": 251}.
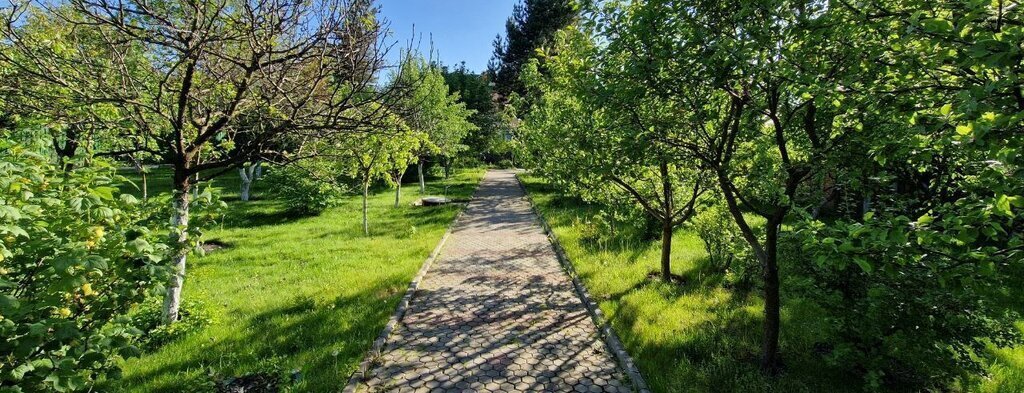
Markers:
{"x": 703, "y": 336}
{"x": 1006, "y": 367}
{"x": 306, "y": 295}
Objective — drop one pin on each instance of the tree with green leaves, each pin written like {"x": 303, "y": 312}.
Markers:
{"x": 593, "y": 128}
{"x": 209, "y": 71}
{"x": 926, "y": 221}
{"x": 403, "y": 154}
{"x": 476, "y": 91}
{"x": 431, "y": 109}
{"x": 382, "y": 153}
{"x": 75, "y": 121}
{"x": 770, "y": 88}
{"x": 837, "y": 124}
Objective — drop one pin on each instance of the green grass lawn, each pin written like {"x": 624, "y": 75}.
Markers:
{"x": 305, "y": 296}
{"x": 701, "y": 336}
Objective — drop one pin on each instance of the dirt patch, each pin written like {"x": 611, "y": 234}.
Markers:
{"x": 673, "y": 278}
{"x": 214, "y": 245}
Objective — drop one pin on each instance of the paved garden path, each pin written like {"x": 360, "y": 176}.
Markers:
{"x": 495, "y": 312}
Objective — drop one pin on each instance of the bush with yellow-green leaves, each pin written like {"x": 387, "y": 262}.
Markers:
{"x": 75, "y": 256}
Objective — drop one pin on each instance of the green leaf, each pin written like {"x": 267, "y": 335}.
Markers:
{"x": 937, "y": 25}
{"x": 864, "y": 265}
{"x": 38, "y": 329}
{"x": 105, "y": 193}
{"x": 965, "y": 129}
{"x": 946, "y": 109}
{"x": 8, "y": 303}
{"x": 1002, "y": 206}
{"x": 9, "y": 212}
{"x": 925, "y": 219}
{"x": 91, "y": 358}
{"x": 18, "y": 373}
{"x": 42, "y": 364}
{"x": 139, "y": 246}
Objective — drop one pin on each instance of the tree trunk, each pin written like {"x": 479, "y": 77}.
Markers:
{"x": 66, "y": 151}
{"x": 142, "y": 172}
{"x": 179, "y": 235}
{"x": 666, "y": 224}
{"x": 398, "y": 191}
{"x": 195, "y": 186}
{"x": 366, "y": 195}
{"x": 767, "y": 255}
{"x": 423, "y": 184}
{"x": 247, "y": 174}
{"x": 258, "y": 173}
{"x": 666, "y": 250}
{"x": 771, "y": 361}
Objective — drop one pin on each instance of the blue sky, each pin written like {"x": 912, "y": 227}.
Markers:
{"x": 462, "y": 30}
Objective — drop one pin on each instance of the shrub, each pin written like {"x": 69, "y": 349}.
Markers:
{"x": 618, "y": 224}
{"x": 75, "y": 256}
{"x": 506, "y": 164}
{"x": 719, "y": 234}
{"x": 907, "y": 318}
{"x": 307, "y": 189}
{"x": 195, "y": 315}
{"x": 727, "y": 251}
{"x": 596, "y": 230}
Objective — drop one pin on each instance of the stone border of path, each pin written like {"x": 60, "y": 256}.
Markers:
{"x": 378, "y": 345}
{"x": 611, "y": 340}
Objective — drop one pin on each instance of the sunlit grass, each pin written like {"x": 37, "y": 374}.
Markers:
{"x": 300, "y": 295}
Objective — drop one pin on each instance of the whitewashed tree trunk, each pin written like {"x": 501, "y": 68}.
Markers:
{"x": 259, "y": 170}
{"x": 179, "y": 235}
{"x": 366, "y": 195}
{"x": 248, "y": 174}
{"x": 423, "y": 184}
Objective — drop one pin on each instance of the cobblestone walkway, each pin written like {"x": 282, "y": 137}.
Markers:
{"x": 496, "y": 313}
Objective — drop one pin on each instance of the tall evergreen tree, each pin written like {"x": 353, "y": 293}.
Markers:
{"x": 533, "y": 23}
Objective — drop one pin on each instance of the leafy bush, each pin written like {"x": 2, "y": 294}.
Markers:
{"x": 618, "y": 224}
{"x": 195, "y": 315}
{"x": 597, "y": 230}
{"x": 727, "y": 251}
{"x": 308, "y": 189}
{"x": 913, "y": 302}
{"x": 506, "y": 164}
{"x": 719, "y": 234}
{"x": 75, "y": 256}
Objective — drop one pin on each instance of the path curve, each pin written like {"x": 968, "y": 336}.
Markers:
{"x": 495, "y": 312}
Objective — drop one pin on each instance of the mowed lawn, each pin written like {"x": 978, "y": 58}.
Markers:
{"x": 702, "y": 336}
{"x": 297, "y": 296}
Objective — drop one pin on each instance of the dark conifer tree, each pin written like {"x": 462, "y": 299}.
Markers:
{"x": 532, "y": 24}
